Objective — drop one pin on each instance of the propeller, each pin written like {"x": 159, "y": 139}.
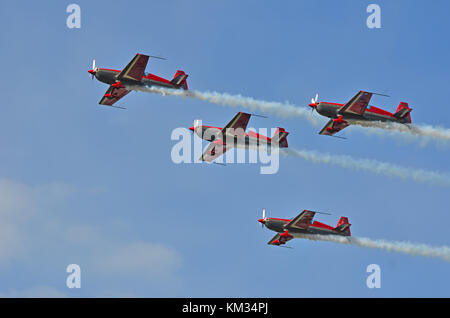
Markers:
{"x": 314, "y": 100}
{"x": 94, "y": 69}
{"x": 263, "y": 219}
{"x": 313, "y": 104}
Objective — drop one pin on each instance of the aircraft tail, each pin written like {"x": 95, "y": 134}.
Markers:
{"x": 403, "y": 112}
{"x": 343, "y": 226}
{"x": 280, "y": 137}
{"x": 179, "y": 80}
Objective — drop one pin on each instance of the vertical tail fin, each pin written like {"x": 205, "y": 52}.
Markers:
{"x": 179, "y": 79}
{"x": 280, "y": 137}
{"x": 403, "y": 112}
{"x": 343, "y": 226}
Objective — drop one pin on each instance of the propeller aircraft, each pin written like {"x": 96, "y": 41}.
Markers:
{"x": 233, "y": 135}
{"x": 133, "y": 75}
{"x": 300, "y": 225}
{"x": 356, "y": 110}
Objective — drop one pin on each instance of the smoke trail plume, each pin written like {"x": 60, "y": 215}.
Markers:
{"x": 442, "y": 252}
{"x": 371, "y": 165}
{"x": 284, "y": 110}
{"x": 419, "y": 130}
{"x": 275, "y": 108}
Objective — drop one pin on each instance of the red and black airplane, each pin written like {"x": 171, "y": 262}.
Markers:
{"x": 133, "y": 75}
{"x": 300, "y": 225}
{"x": 233, "y": 135}
{"x": 357, "y": 110}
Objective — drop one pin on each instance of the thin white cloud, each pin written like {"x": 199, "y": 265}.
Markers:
{"x": 16, "y": 206}
{"x": 11, "y": 242}
{"x": 34, "y": 292}
{"x": 140, "y": 259}
{"x": 33, "y": 222}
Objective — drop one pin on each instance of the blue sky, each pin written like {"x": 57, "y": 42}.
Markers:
{"x": 85, "y": 184}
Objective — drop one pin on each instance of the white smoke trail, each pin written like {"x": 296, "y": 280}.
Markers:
{"x": 427, "y": 132}
{"x": 275, "y": 108}
{"x": 442, "y": 252}
{"x": 371, "y": 165}
{"x": 422, "y": 132}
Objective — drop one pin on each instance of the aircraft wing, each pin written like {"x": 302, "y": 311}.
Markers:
{"x": 214, "y": 150}
{"x": 135, "y": 69}
{"x": 280, "y": 239}
{"x": 237, "y": 126}
{"x": 333, "y": 127}
{"x": 357, "y": 105}
{"x": 275, "y": 238}
{"x": 301, "y": 221}
{"x": 116, "y": 94}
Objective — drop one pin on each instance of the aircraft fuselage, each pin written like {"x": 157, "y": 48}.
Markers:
{"x": 250, "y": 140}
{"x": 109, "y": 76}
{"x": 372, "y": 113}
{"x": 278, "y": 225}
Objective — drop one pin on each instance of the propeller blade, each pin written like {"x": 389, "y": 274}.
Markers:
{"x": 263, "y": 217}
{"x": 317, "y": 96}
{"x": 93, "y": 69}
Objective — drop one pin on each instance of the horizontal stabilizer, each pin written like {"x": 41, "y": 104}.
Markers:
{"x": 343, "y": 226}
{"x": 179, "y": 79}
{"x": 403, "y": 112}
{"x": 280, "y": 137}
